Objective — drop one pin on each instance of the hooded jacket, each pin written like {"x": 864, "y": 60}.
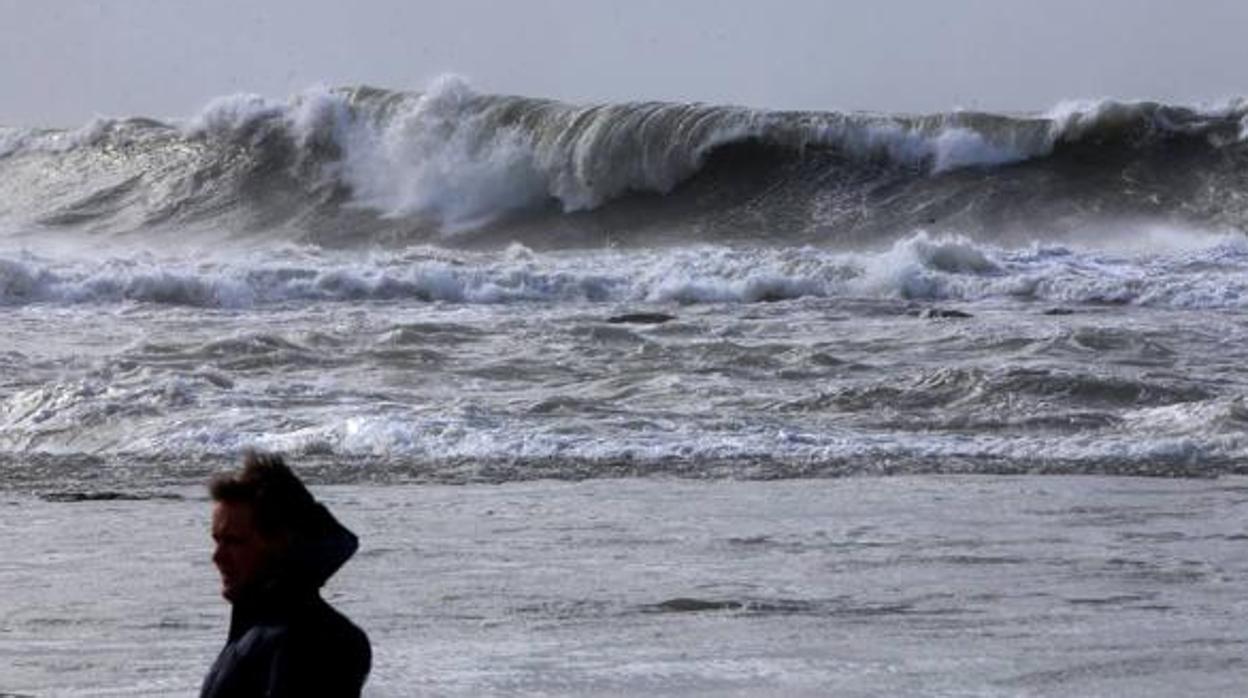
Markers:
{"x": 284, "y": 640}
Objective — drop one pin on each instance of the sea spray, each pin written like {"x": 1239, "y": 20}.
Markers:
{"x": 361, "y": 166}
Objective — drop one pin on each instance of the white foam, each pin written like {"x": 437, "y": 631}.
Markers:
{"x": 1160, "y": 267}
{"x": 17, "y": 141}
{"x": 1152, "y": 439}
{"x": 21, "y": 282}
{"x": 13, "y": 140}
{"x": 751, "y": 289}
{"x": 317, "y": 114}
{"x": 439, "y": 159}
{"x": 956, "y": 148}
{"x": 942, "y": 148}
{"x": 225, "y": 117}
{"x": 926, "y": 267}
{"x": 1071, "y": 120}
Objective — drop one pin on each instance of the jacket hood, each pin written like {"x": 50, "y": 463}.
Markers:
{"x": 320, "y": 546}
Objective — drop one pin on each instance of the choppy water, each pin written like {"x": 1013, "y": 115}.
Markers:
{"x": 507, "y": 365}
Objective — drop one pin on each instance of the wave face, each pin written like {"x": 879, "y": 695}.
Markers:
{"x": 363, "y": 166}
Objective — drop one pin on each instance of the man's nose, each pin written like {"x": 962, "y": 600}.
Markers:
{"x": 218, "y": 554}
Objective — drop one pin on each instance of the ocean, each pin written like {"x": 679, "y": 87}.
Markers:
{"x": 640, "y": 398}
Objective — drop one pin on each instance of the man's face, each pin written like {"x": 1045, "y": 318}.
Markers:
{"x": 243, "y": 554}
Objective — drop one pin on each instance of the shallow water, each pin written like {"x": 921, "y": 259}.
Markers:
{"x": 924, "y": 586}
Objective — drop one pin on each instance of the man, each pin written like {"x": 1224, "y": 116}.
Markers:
{"x": 275, "y": 547}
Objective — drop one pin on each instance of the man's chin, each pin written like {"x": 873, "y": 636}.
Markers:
{"x": 230, "y": 592}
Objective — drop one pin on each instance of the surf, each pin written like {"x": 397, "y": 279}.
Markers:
{"x": 362, "y": 166}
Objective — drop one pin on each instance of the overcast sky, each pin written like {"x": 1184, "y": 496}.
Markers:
{"x": 63, "y": 61}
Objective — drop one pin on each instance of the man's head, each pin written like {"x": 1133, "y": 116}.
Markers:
{"x": 258, "y": 511}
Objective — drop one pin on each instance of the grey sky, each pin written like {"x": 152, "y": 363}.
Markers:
{"x": 61, "y": 61}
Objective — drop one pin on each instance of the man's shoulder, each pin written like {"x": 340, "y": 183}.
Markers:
{"x": 326, "y": 646}
{"x": 324, "y": 624}
{"x": 261, "y": 637}
{"x": 310, "y": 629}
{"x": 314, "y": 651}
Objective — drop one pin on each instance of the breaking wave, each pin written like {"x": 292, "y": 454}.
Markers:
{"x": 1195, "y": 271}
{"x": 363, "y": 166}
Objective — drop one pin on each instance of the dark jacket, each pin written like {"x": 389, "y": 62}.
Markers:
{"x": 284, "y": 639}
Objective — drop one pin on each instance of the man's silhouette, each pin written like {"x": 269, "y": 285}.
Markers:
{"x": 275, "y": 547}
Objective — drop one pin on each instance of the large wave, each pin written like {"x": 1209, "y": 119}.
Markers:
{"x": 365, "y": 166}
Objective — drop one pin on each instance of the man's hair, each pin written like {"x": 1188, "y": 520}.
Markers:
{"x": 279, "y": 500}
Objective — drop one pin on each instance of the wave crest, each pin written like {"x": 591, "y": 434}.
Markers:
{"x": 360, "y": 165}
